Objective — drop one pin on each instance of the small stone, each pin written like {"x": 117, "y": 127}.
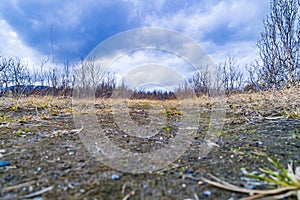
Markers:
{"x": 183, "y": 185}
{"x": 297, "y": 144}
{"x": 38, "y": 198}
{"x": 2, "y": 150}
{"x": 55, "y": 176}
{"x": 233, "y": 197}
{"x": 82, "y": 191}
{"x": 207, "y": 193}
{"x": 71, "y": 153}
{"x": 4, "y": 163}
{"x": 115, "y": 177}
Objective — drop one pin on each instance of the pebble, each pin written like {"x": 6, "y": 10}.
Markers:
{"x": 55, "y": 176}
{"x": 4, "y": 163}
{"x": 207, "y": 193}
{"x": 2, "y": 150}
{"x": 233, "y": 197}
{"x": 115, "y": 177}
{"x": 82, "y": 191}
{"x": 297, "y": 144}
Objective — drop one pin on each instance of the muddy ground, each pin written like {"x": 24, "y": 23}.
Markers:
{"x": 48, "y": 160}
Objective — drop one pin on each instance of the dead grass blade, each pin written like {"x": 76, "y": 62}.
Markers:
{"x": 130, "y": 194}
{"x": 37, "y": 193}
{"x": 15, "y": 187}
{"x": 227, "y": 186}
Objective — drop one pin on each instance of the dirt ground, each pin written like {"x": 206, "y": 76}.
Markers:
{"x": 48, "y": 160}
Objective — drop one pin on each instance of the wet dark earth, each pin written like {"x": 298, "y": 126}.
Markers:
{"x": 45, "y": 157}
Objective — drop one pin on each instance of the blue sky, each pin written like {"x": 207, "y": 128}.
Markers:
{"x": 222, "y": 27}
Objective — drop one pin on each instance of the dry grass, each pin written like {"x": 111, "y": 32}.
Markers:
{"x": 287, "y": 182}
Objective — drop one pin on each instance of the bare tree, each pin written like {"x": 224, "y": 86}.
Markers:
{"x": 106, "y": 86}
{"x": 184, "y": 90}
{"x": 54, "y": 79}
{"x": 200, "y": 82}
{"x": 230, "y": 74}
{"x": 89, "y": 75}
{"x": 41, "y": 75}
{"x": 2, "y": 64}
{"x": 279, "y": 43}
{"x": 19, "y": 74}
{"x": 13, "y": 73}
{"x": 5, "y": 78}
{"x": 66, "y": 80}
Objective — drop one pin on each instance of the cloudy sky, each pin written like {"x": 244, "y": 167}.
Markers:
{"x": 31, "y": 29}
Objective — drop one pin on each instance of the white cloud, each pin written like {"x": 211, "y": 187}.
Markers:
{"x": 236, "y": 23}
{"x": 151, "y": 66}
{"x": 12, "y": 46}
{"x": 153, "y": 74}
{"x": 245, "y": 52}
{"x": 127, "y": 52}
{"x": 234, "y": 14}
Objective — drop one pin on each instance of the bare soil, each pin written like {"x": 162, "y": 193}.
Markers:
{"x": 48, "y": 159}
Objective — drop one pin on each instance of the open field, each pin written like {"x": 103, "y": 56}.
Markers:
{"x": 43, "y": 143}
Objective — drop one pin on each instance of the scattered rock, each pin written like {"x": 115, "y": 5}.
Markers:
{"x": 4, "y": 163}
{"x": 38, "y": 198}
{"x": 82, "y": 191}
{"x": 207, "y": 193}
{"x": 2, "y": 150}
{"x": 115, "y": 177}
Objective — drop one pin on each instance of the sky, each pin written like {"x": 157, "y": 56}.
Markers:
{"x": 33, "y": 30}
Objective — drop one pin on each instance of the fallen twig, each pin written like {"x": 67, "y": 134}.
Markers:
{"x": 15, "y": 187}
{"x": 130, "y": 194}
{"x": 38, "y": 192}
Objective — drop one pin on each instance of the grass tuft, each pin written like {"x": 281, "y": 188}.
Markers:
{"x": 286, "y": 181}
